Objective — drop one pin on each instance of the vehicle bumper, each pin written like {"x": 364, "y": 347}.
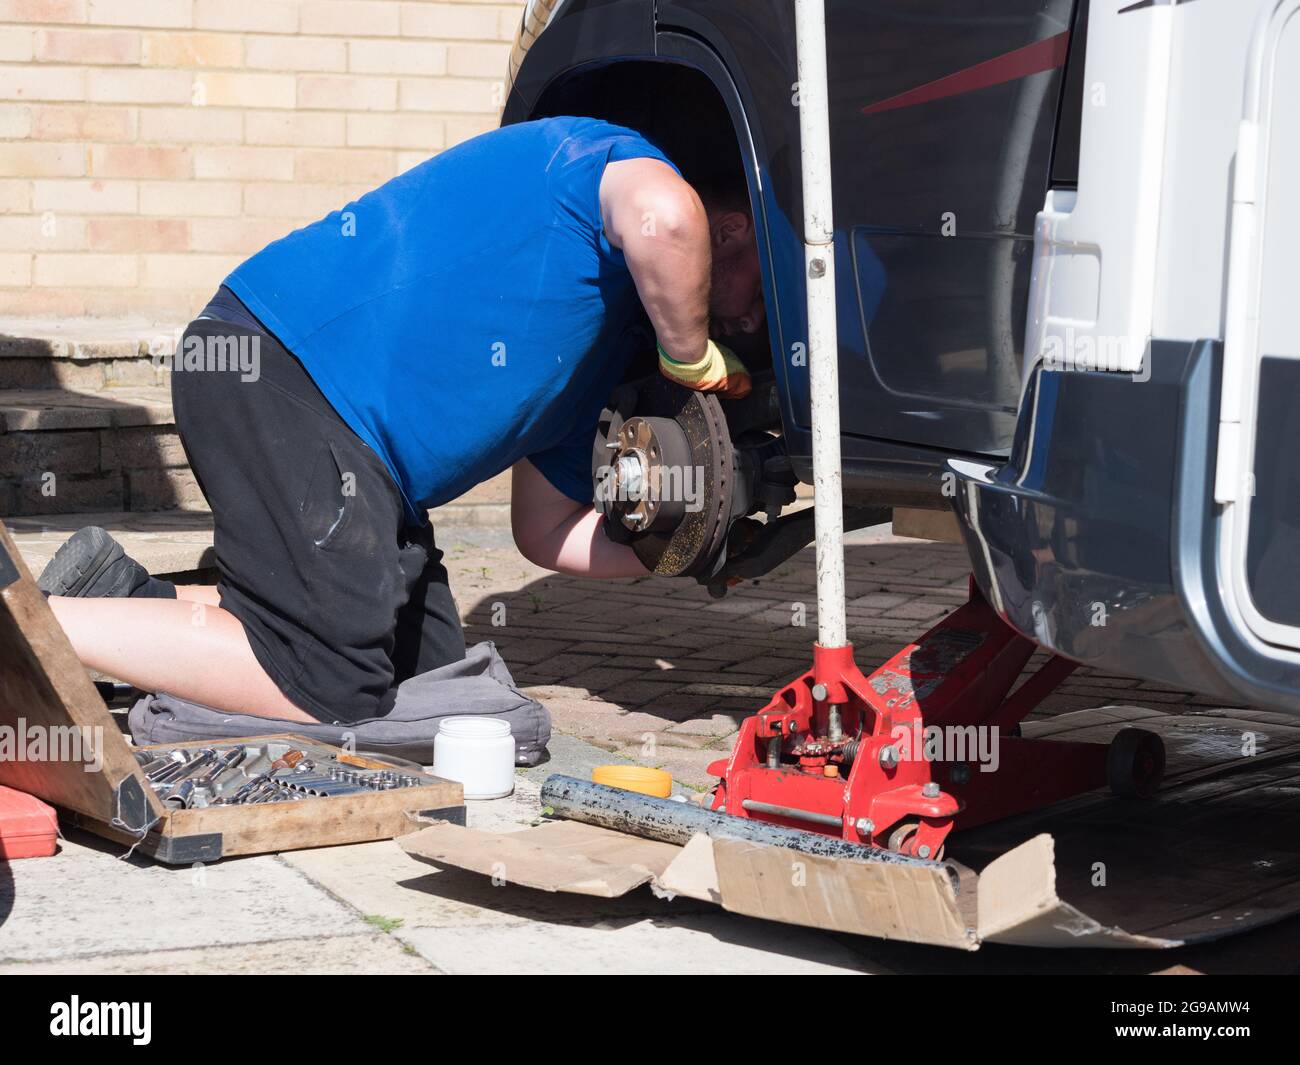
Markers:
{"x": 1098, "y": 537}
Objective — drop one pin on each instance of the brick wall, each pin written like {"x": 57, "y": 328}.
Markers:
{"x": 147, "y": 146}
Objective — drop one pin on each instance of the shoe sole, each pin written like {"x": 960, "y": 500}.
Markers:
{"x": 102, "y": 559}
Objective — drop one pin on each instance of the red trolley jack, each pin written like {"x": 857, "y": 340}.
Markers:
{"x": 850, "y": 755}
{"x": 926, "y": 743}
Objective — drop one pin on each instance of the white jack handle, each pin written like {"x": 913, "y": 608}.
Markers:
{"x": 823, "y": 339}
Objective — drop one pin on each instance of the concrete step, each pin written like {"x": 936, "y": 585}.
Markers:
{"x": 64, "y": 451}
{"x": 84, "y": 354}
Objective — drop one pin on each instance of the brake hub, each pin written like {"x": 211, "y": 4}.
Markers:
{"x": 664, "y": 473}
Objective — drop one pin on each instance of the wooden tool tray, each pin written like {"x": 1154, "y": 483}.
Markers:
{"x": 85, "y": 766}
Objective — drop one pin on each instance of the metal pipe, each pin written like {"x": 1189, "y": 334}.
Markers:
{"x": 757, "y": 807}
{"x": 823, "y": 338}
{"x": 676, "y": 822}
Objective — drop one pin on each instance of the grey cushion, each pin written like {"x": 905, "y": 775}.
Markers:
{"x": 479, "y": 684}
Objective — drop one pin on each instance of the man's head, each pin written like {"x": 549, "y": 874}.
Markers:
{"x": 736, "y": 288}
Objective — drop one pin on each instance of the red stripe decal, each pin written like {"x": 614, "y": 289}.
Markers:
{"x": 1047, "y": 54}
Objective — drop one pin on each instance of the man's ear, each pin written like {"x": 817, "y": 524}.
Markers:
{"x": 731, "y": 230}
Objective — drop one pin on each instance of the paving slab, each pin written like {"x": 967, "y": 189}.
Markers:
{"x": 379, "y": 880}
{"x": 87, "y": 338}
{"x": 696, "y": 944}
{"x": 169, "y": 541}
{"x": 48, "y": 409}
{"x": 87, "y": 900}
{"x": 369, "y": 953}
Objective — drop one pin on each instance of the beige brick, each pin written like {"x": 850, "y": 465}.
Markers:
{"x": 42, "y": 160}
{"x": 163, "y": 305}
{"x": 50, "y": 303}
{"x": 462, "y": 128}
{"x": 191, "y": 125}
{"x": 23, "y": 453}
{"x": 137, "y": 234}
{"x": 395, "y": 131}
{"x": 297, "y": 202}
{"x": 140, "y": 161}
{"x": 446, "y": 94}
{"x": 192, "y": 50}
{"x": 72, "y": 495}
{"x": 42, "y": 83}
{"x": 15, "y": 121}
{"x": 45, "y": 232}
{"x": 90, "y": 197}
{"x": 244, "y": 164}
{"x": 141, "y": 12}
{"x": 406, "y": 160}
{"x": 337, "y": 92}
{"x": 139, "y": 447}
{"x": 364, "y": 166}
{"x": 190, "y": 199}
{"x": 187, "y": 270}
{"x": 249, "y": 16}
{"x": 477, "y": 60}
{"x": 297, "y": 53}
{"x": 15, "y": 269}
{"x": 87, "y": 46}
{"x": 140, "y": 86}
{"x": 60, "y": 270}
{"x": 351, "y": 18}
{"x": 42, "y": 10}
{"x": 244, "y": 90}
{"x": 164, "y": 489}
{"x": 450, "y": 21}
{"x": 83, "y": 122}
{"x": 235, "y": 236}
{"x": 397, "y": 57}
{"x": 15, "y": 197}
{"x": 295, "y": 128}
{"x": 508, "y": 24}
{"x": 17, "y": 44}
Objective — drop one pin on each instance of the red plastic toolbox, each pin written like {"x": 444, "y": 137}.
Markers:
{"x": 28, "y": 827}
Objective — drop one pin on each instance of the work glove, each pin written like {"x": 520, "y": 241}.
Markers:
{"x": 719, "y": 371}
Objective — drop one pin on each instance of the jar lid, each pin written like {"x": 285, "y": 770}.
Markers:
{"x": 472, "y": 727}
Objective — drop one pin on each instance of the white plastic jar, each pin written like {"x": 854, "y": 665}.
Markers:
{"x": 479, "y": 752}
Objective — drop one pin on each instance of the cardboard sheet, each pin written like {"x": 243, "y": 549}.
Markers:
{"x": 557, "y": 856}
{"x": 1217, "y": 852}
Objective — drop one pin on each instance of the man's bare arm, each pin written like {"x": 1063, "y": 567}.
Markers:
{"x": 558, "y": 533}
{"x": 658, "y": 221}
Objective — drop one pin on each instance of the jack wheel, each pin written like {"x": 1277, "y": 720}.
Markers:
{"x": 903, "y": 841}
{"x": 1135, "y": 763}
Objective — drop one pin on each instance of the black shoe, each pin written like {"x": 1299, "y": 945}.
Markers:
{"x": 92, "y": 564}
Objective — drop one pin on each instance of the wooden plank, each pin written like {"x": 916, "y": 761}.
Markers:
{"x": 939, "y": 525}
{"x": 45, "y": 691}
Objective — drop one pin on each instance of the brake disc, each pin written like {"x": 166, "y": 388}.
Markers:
{"x": 664, "y": 471}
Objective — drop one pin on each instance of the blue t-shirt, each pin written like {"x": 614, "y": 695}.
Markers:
{"x": 469, "y": 312}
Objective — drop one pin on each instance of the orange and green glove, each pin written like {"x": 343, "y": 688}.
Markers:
{"x": 719, "y": 371}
